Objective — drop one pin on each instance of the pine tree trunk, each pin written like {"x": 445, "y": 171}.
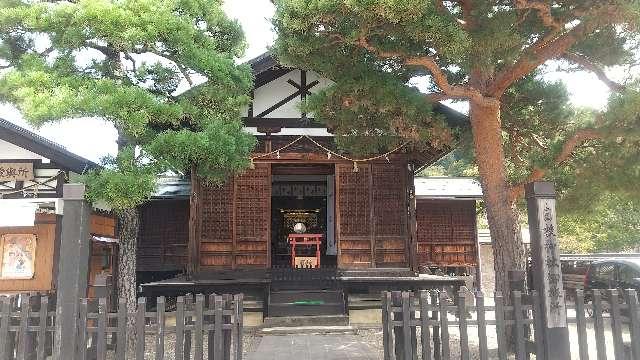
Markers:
{"x": 129, "y": 223}
{"x": 506, "y": 239}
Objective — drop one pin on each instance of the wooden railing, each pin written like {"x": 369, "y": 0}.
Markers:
{"x": 181, "y": 329}
{"x": 429, "y": 325}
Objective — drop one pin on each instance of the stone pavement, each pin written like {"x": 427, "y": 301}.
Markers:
{"x": 312, "y": 347}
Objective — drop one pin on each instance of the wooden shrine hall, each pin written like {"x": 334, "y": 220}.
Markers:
{"x": 357, "y": 221}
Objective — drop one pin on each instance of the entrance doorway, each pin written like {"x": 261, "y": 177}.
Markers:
{"x": 302, "y": 194}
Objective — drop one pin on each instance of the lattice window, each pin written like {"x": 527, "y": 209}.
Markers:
{"x": 446, "y": 222}
{"x": 253, "y": 195}
{"x": 389, "y": 200}
{"x": 354, "y": 200}
{"x": 217, "y": 212}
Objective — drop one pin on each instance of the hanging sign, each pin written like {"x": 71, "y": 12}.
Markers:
{"x": 16, "y": 171}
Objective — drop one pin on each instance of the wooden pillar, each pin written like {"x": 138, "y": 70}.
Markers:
{"x": 73, "y": 270}
{"x": 195, "y": 220}
{"x": 412, "y": 221}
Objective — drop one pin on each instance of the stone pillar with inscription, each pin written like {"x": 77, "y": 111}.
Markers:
{"x": 547, "y": 276}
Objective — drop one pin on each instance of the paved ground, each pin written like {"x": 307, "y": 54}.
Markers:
{"x": 313, "y": 347}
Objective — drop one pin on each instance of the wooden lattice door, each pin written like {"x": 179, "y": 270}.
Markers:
{"x": 390, "y": 231}
{"x": 354, "y": 216}
{"x": 234, "y": 221}
{"x": 253, "y": 217}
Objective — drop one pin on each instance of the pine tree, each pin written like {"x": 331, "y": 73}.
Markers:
{"x": 489, "y": 53}
{"x": 163, "y": 72}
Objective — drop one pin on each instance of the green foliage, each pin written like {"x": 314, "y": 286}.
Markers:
{"x": 123, "y": 183}
{"x": 346, "y": 108}
{"x": 163, "y": 72}
{"x": 612, "y": 224}
{"x": 218, "y": 150}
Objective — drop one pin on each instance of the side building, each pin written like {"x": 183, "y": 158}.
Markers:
{"x": 33, "y": 171}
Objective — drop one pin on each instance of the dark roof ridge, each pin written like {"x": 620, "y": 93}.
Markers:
{"x": 40, "y": 145}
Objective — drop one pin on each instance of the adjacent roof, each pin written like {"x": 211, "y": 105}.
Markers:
{"x": 447, "y": 188}
{"x": 35, "y": 143}
{"x": 172, "y": 187}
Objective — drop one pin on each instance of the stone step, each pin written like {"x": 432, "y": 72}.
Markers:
{"x": 286, "y": 309}
{"x": 297, "y": 321}
{"x": 308, "y": 330}
{"x": 291, "y": 296}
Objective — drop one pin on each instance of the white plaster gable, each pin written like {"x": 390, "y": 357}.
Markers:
{"x": 9, "y": 151}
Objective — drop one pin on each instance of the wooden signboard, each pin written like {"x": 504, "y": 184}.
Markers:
{"x": 18, "y": 256}
{"x": 10, "y": 171}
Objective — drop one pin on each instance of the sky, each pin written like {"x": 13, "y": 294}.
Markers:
{"x": 94, "y": 138}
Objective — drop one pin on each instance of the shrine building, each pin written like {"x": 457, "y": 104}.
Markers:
{"x": 359, "y": 226}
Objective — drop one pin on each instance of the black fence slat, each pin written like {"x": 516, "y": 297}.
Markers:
{"x": 160, "y": 334}
{"x": 634, "y": 322}
{"x": 42, "y": 328}
{"x": 601, "y": 349}
{"x": 179, "y": 348}
{"x": 581, "y": 325}
{"x": 462, "y": 325}
{"x": 483, "y": 349}
{"x": 435, "y": 335}
{"x": 538, "y": 325}
{"x": 425, "y": 333}
{"x": 616, "y": 324}
{"x": 140, "y": 328}
{"x": 197, "y": 354}
{"x": 121, "y": 336}
{"x": 188, "y": 320}
{"x": 500, "y": 326}
{"x": 5, "y": 321}
{"x": 82, "y": 329}
{"x": 217, "y": 332}
{"x": 226, "y": 341}
{"x": 444, "y": 326}
{"x": 101, "y": 336}
{"x": 519, "y": 325}
{"x": 209, "y": 319}
{"x": 389, "y": 350}
{"x": 23, "y": 332}
{"x": 238, "y": 324}
{"x": 406, "y": 328}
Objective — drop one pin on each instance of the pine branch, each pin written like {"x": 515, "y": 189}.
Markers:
{"x": 597, "y": 70}
{"x": 568, "y": 149}
{"x": 429, "y": 63}
{"x": 549, "y": 48}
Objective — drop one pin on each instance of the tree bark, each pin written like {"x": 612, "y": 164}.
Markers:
{"x": 506, "y": 238}
{"x": 129, "y": 224}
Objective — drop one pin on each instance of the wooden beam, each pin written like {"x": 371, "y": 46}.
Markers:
{"x": 195, "y": 220}
{"x": 412, "y": 220}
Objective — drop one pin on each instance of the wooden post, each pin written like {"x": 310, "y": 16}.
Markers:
{"x": 73, "y": 271}
{"x": 194, "y": 224}
{"x": 413, "y": 222}
{"x": 547, "y": 276}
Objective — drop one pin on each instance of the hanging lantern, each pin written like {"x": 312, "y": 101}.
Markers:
{"x": 386, "y": 156}
{"x": 355, "y": 167}
{"x": 252, "y": 165}
{"x": 278, "y": 154}
{"x": 328, "y": 155}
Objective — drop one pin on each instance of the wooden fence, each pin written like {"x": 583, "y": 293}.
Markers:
{"x": 176, "y": 328}
{"x": 428, "y": 325}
